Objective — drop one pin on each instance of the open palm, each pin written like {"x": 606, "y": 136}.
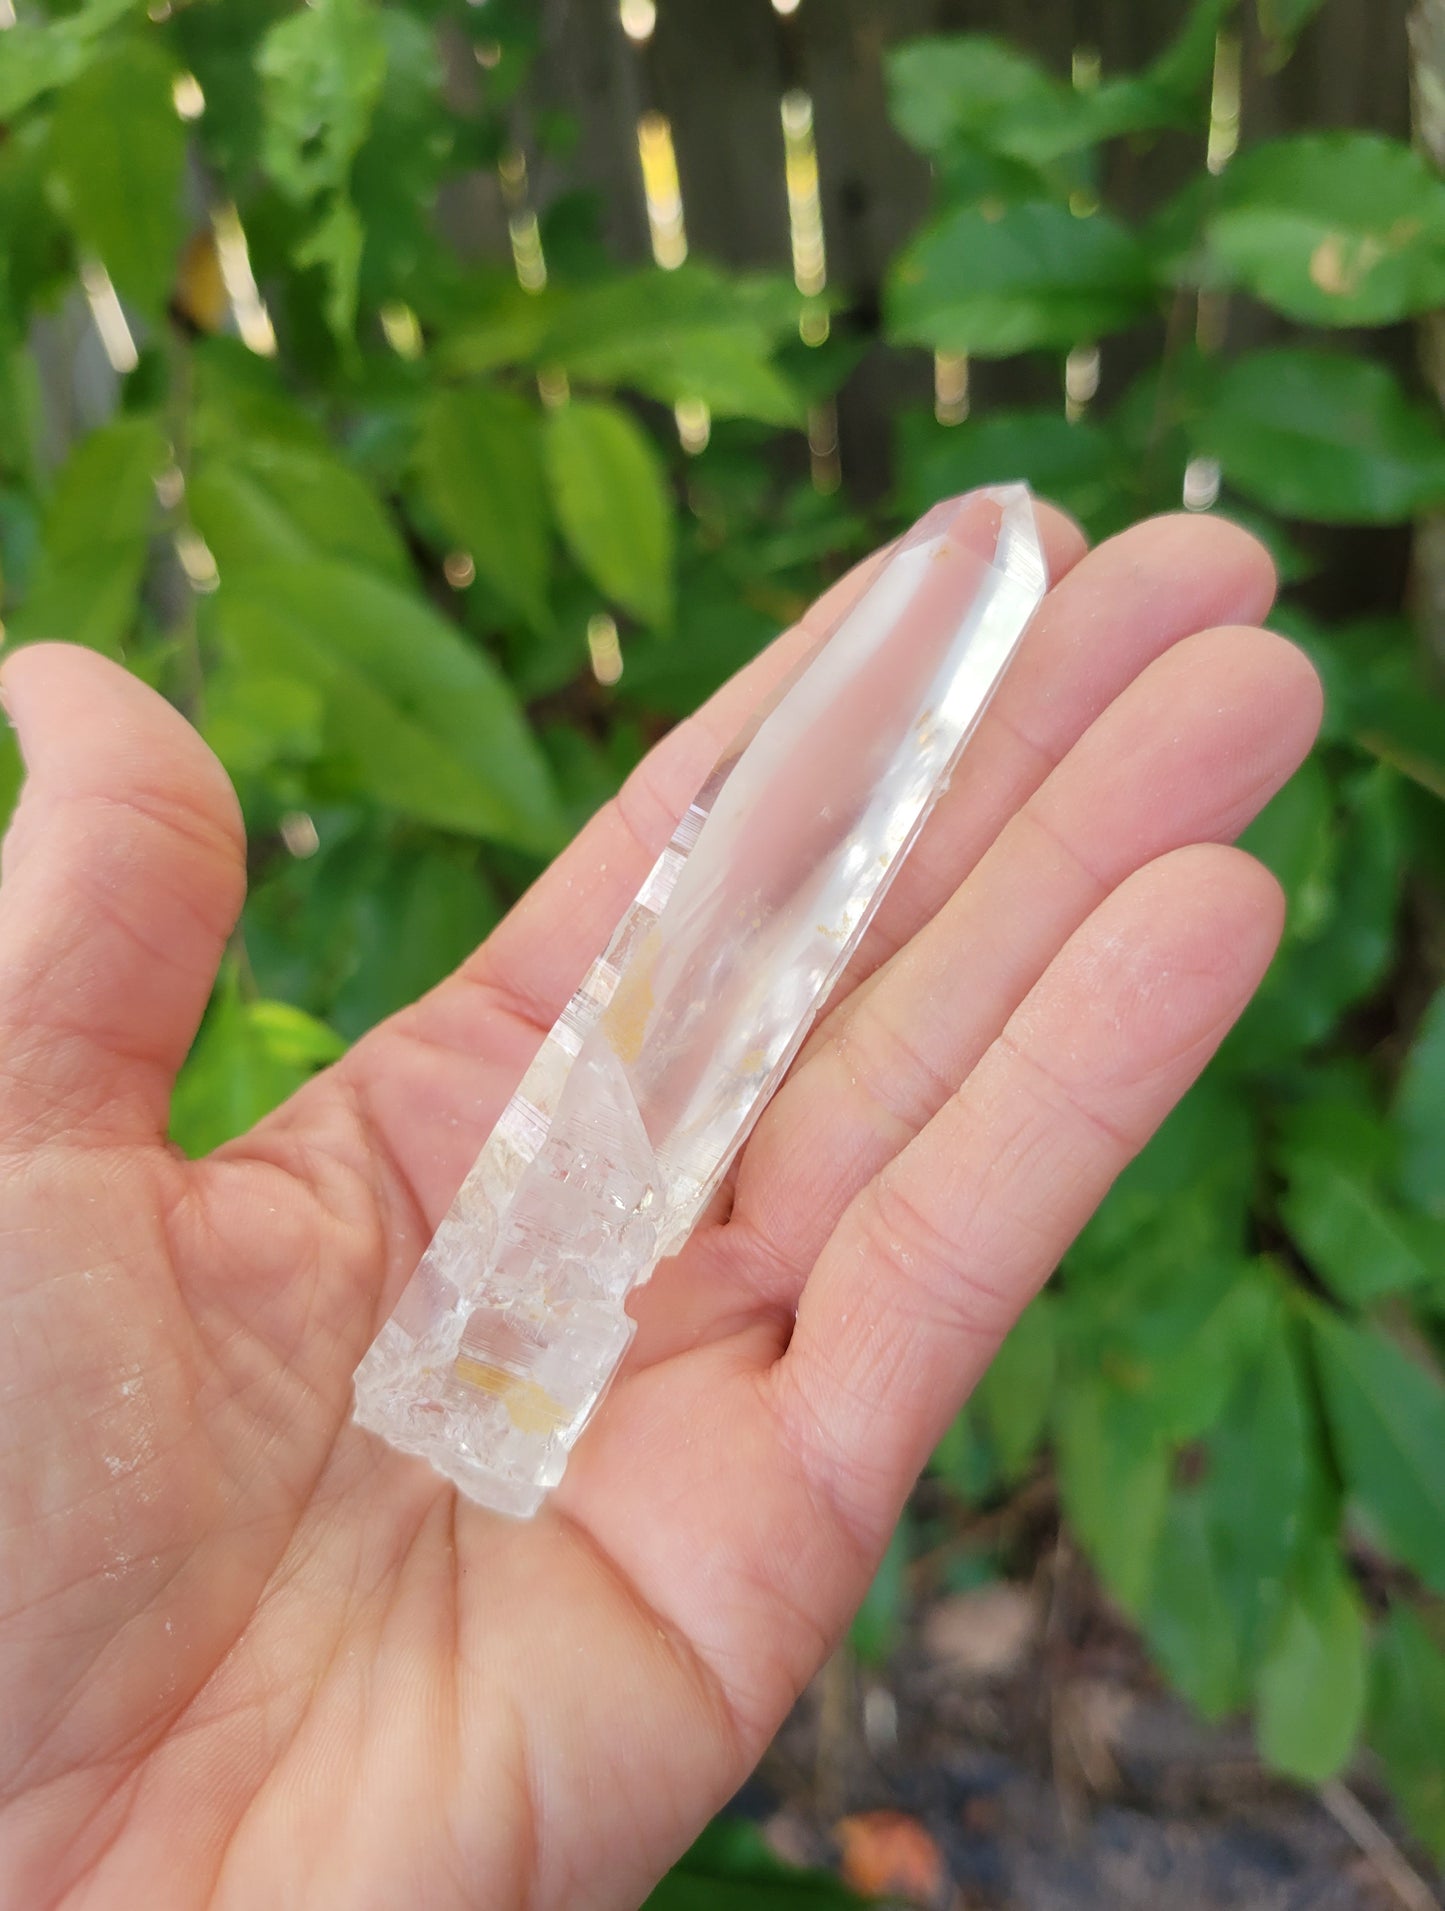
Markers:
{"x": 249, "y": 1655}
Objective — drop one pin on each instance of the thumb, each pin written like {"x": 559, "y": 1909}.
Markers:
{"x": 121, "y": 877}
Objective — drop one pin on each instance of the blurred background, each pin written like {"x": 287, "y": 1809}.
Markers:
{"x": 436, "y": 399}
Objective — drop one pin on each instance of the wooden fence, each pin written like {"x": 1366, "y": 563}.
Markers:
{"x": 718, "y": 70}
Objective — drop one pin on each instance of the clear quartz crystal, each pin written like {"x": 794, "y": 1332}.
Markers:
{"x": 508, "y": 1333}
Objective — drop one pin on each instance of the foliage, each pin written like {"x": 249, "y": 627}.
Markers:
{"x": 730, "y": 1865}
{"x": 1241, "y": 1373}
{"x": 362, "y": 551}
{"x": 364, "y": 562}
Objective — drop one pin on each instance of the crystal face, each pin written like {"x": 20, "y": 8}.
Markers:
{"x": 507, "y": 1335}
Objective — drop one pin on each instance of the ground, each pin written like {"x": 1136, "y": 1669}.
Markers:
{"x": 1017, "y": 1752}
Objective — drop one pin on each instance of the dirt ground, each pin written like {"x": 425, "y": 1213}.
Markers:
{"x": 1018, "y": 1753}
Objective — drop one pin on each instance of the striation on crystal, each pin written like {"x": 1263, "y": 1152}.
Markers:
{"x": 508, "y": 1333}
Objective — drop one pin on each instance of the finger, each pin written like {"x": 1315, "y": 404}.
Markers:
{"x": 1189, "y": 753}
{"x": 934, "y": 1260}
{"x": 123, "y": 873}
{"x": 417, "y": 1077}
{"x": 1117, "y": 610}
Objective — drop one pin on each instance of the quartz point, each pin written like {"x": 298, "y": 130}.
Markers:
{"x": 508, "y": 1333}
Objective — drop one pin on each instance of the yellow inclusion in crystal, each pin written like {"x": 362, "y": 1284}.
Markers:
{"x": 530, "y": 1407}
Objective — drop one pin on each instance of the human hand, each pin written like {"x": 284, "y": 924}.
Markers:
{"x": 248, "y": 1655}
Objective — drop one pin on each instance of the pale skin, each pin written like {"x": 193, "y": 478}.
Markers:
{"x": 248, "y": 1655}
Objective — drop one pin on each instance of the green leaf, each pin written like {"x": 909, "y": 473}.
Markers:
{"x": 1294, "y": 837}
{"x": 322, "y": 70}
{"x": 238, "y": 396}
{"x": 1016, "y": 1394}
{"x": 970, "y": 175}
{"x": 730, "y": 1868}
{"x": 1342, "y": 930}
{"x": 589, "y": 773}
{"x": 1193, "y": 1382}
{"x": 1355, "y": 944}
{"x": 1187, "y": 62}
{"x": 118, "y": 152}
{"x": 370, "y": 922}
{"x": 398, "y": 169}
{"x": 1402, "y": 724}
{"x": 40, "y": 56}
{"x": 973, "y": 87}
{"x": 1322, "y": 435}
{"x": 1407, "y": 1722}
{"x": 716, "y": 633}
{"x": 1282, "y": 21}
{"x": 496, "y": 324}
{"x": 1075, "y": 465}
{"x": 416, "y": 719}
{"x": 720, "y": 368}
{"x": 949, "y": 93}
{"x": 1353, "y": 1237}
{"x": 248, "y": 1057}
{"x": 1189, "y": 1622}
{"x": 254, "y": 721}
{"x": 1387, "y": 1416}
{"x": 96, "y": 538}
{"x": 12, "y": 775}
{"x": 1033, "y": 276}
{"x": 1190, "y": 1185}
{"x": 691, "y": 333}
{"x": 335, "y": 244}
{"x": 1313, "y": 1682}
{"x": 422, "y": 916}
{"x": 878, "y": 1623}
{"x": 1420, "y": 1113}
{"x": 1173, "y": 89}
{"x": 1264, "y": 1485}
{"x": 1114, "y": 1487}
{"x": 264, "y": 500}
{"x": 1330, "y": 1114}
{"x": 613, "y": 503}
{"x": 35, "y": 264}
{"x": 479, "y": 469}
{"x": 964, "y": 1458}
{"x": 1333, "y": 228}
{"x": 219, "y": 44}
{"x": 1179, "y": 1333}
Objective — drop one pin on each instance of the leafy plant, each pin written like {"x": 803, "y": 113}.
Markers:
{"x": 353, "y": 498}
{"x": 354, "y": 542}
{"x": 1241, "y": 1374}
{"x": 730, "y": 1864}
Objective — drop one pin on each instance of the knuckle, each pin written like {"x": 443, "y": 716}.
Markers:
{"x": 930, "y": 1262}
{"x": 889, "y": 1069}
